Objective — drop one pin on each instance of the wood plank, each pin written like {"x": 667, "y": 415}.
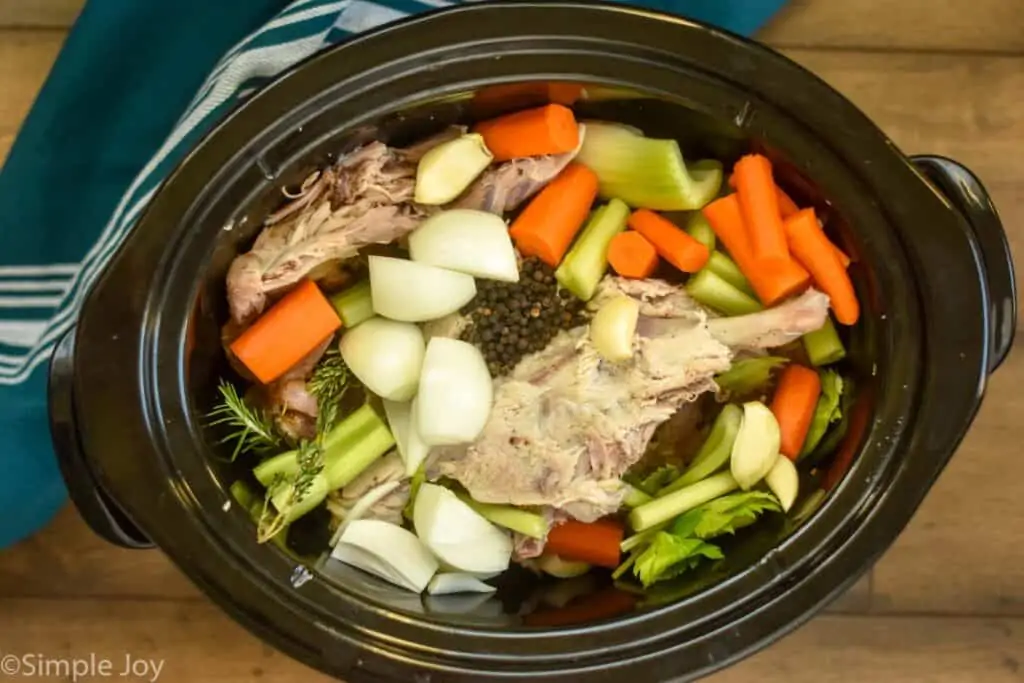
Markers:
{"x": 956, "y": 105}
{"x": 25, "y": 61}
{"x": 39, "y": 13}
{"x": 67, "y": 559}
{"x": 895, "y": 650}
{"x": 979, "y": 25}
{"x": 196, "y": 642}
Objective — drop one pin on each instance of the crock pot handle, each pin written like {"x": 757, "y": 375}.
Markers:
{"x": 965, "y": 191}
{"x": 99, "y": 511}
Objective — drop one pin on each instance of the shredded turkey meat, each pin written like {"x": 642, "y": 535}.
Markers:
{"x": 566, "y": 425}
{"x": 364, "y": 199}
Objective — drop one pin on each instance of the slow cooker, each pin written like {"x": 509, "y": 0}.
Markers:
{"x": 130, "y": 384}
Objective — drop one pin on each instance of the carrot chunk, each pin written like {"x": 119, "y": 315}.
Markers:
{"x": 551, "y": 129}
{"x": 818, "y": 255}
{"x": 596, "y": 542}
{"x": 548, "y": 224}
{"x": 286, "y": 333}
{"x": 632, "y": 256}
{"x": 671, "y": 243}
{"x": 771, "y": 283}
{"x": 759, "y": 202}
{"x": 793, "y": 405}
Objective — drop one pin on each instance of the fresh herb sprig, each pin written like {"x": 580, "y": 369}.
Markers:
{"x": 330, "y": 381}
{"x": 251, "y": 428}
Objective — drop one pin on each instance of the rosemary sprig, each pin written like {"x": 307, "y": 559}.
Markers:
{"x": 330, "y": 381}
{"x": 252, "y": 429}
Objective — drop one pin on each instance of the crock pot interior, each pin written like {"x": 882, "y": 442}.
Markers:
{"x": 522, "y": 600}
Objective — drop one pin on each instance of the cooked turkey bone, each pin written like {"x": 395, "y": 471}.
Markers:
{"x": 566, "y": 425}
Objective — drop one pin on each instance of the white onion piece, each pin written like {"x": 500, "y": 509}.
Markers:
{"x": 362, "y": 506}
{"x": 784, "y": 481}
{"x": 448, "y": 169}
{"x": 613, "y": 327}
{"x": 756, "y": 448}
{"x": 455, "y": 393}
{"x": 457, "y": 535}
{"x": 402, "y": 423}
{"x": 386, "y": 356}
{"x": 416, "y": 292}
{"x": 467, "y": 241}
{"x": 388, "y": 551}
{"x": 451, "y": 583}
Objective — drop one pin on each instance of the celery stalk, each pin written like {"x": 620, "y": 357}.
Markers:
{"x": 823, "y": 346}
{"x": 283, "y": 500}
{"x": 247, "y": 499}
{"x": 587, "y": 261}
{"x": 645, "y": 172}
{"x": 714, "y": 292}
{"x": 345, "y": 461}
{"x": 635, "y": 497}
{"x": 685, "y": 499}
{"x": 698, "y": 228}
{"x": 725, "y": 268}
{"x": 525, "y": 522}
{"x": 354, "y": 304}
{"x": 749, "y": 374}
{"x": 286, "y": 465}
{"x": 714, "y": 452}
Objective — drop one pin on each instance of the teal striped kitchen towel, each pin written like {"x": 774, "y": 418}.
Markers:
{"x": 137, "y": 83}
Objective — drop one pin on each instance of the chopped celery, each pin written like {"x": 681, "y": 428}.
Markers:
{"x": 714, "y": 292}
{"x": 638, "y": 541}
{"x": 286, "y": 465}
{"x": 525, "y": 522}
{"x": 666, "y": 507}
{"x": 294, "y": 505}
{"x": 823, "y": 346}
{"x": 635, "y": 497}
{"x": 698, "y": 228}
{"x": 645, "y": 172}
{"x": 749, "y": 374}
{"x": 826, "y": 411}
{"x": 587, "y": 261}
{"x": 354, "y": 304}
{"x": 725, "y": 268}
{"x": 247, "y": 499}
{"x": 715, "y": 451}
{"x": 345, "y": 461}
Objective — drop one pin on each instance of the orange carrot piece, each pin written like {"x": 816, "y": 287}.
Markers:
{"x": 787, "y": 207}
{"x": 841, "y": 255}
{"x": 596, "y": 543}
{"x": 286, "y": 333}
{"x": 759, "y": 201}
{"x": 632, "y": 256}
{"x": 796, "y": 397}
{"x": 548, "y": 224}
{"x": 672, "y": 244}
{"x": 551, "y": 129}
{"x": 771, "y": 284}
{"x": 817, "y": 254}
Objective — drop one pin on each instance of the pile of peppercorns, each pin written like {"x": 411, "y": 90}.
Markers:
{"x": 514, "y": 319}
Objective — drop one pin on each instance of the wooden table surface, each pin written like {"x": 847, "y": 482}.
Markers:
{"x": 944, "y": 605}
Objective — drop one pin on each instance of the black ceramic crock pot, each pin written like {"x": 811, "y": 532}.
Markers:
{"x": 130, "y": 384}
